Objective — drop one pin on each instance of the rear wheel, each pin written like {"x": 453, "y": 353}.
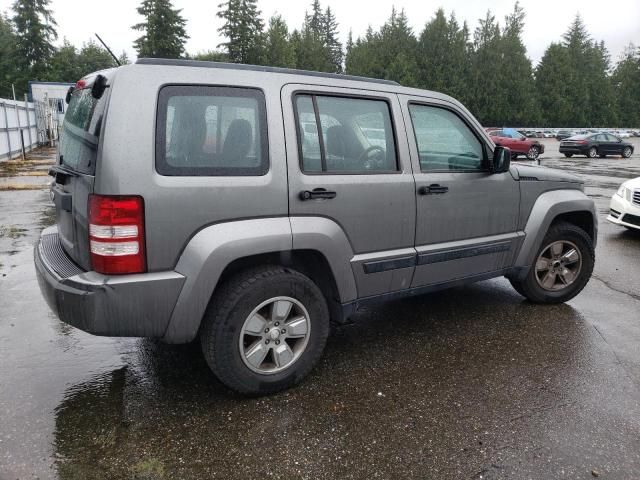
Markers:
{"x": 593, "y": 152}
{"x": 626, "y": 153}
{"x": 533, "y": 152}
{"x": 562, "y": 266}
{"x": 568, "y": 155}
{"x": 264, "y": 330}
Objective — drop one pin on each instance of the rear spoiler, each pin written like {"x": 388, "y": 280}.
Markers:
{"x": 98, "y": 84}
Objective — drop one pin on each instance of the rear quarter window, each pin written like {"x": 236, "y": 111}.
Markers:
{"x": 211, "y": 131}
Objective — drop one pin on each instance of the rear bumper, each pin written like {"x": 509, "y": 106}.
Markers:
{"x": 119, "y": 306}
{"x": 575, "y": 149}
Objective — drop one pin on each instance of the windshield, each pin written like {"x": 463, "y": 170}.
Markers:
{"x": 81, "y": 130}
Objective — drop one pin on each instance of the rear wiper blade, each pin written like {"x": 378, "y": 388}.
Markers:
{"x": 56, "y": 170}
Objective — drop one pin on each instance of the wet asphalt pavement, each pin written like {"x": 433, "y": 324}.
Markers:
{"x": 472, "y": 382}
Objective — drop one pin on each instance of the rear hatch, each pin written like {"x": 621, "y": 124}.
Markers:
{"x": 75, "y": 170}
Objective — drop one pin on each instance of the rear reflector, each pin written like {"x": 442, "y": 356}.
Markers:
{"x": 116, "y": 234}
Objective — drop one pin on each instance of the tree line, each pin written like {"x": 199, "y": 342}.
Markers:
{"x": 576, "y": 83}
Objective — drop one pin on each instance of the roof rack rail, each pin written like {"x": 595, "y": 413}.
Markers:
{"x": 257, "y": 68}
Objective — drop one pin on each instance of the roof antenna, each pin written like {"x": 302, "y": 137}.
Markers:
{"x": 109, "y": 50}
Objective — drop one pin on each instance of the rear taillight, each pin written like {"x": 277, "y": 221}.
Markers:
{"x": 116, "y": 234}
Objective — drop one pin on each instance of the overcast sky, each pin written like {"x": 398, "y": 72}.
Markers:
{"x": 617, "y": 22}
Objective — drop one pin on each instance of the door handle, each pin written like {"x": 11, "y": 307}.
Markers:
{"x": 317, "y": 193}
{"x": 433, "y": 189}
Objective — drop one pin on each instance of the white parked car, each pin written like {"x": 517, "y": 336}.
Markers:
{"x": 625, "y": 205}
{"x": 623, "y": 134}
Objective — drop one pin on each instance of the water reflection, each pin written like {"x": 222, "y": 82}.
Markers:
{"x": 432, "y": 386}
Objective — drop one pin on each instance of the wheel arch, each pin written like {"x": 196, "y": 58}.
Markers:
{"x": 571, "y": 206}
{"x": 315, "y": 247}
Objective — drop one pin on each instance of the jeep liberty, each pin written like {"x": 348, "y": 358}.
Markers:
{"x": 248, "y": 207}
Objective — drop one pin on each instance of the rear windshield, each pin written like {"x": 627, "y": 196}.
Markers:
{"x": 81, "y": 130}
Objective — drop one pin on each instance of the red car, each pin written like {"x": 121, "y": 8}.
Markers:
{"x": 518, "y": 143}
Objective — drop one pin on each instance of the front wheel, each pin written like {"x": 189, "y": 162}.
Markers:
{"x": 264, "y": 330}
{"x": 562, "y": 266}
{"x": 626, "y": 153}
{"x": 533, "y": 152}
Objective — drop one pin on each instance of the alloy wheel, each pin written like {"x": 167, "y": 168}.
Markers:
{"x": 274, "y": 335}
{"x": 593, "y": 153}
{"x": 626, "y": 153}
{"x": 558, "y": 266}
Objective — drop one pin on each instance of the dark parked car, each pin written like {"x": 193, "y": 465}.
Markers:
{"x": 562, "y": 134}
{"x": 594, "y": 145}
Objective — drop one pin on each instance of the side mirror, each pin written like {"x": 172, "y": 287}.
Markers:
{"x": 501, "y": 160}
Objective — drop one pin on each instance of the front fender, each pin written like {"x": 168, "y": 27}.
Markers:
{"x": 205, "y": 258}
{"x": 546, "y": 208}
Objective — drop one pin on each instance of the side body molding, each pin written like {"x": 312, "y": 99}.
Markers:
{"x": 205, "y": 258}
{"x": 548, "y": 206}
{"x": 328, "y": 238}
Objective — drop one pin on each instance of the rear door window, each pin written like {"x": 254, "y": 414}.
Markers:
{"x": 211, "y": 131}
{"x": 81, "y": 131}
{"x": 356, "y": 135}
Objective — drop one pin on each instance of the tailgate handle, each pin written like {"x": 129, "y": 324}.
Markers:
{"x": 63, "y": 199}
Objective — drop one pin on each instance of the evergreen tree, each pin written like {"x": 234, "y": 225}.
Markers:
{"x": 552, "y": 88}
{"x": 35, "y": 32}
{"x": 389, "y": 53}
{"x": 279, "y": 51}
{"x": 625, "y": 80}
{"x": 124, "y": 58}
{"x": 243, "y": 29}
{"x": 69, "y": 65}
{"x": 310, "y": 46}
{"x": 164, "y": 30}
{"x": 578, "y": 44}
{"x": 487, "y": 101}
{"x": 442, "y": 55}
{"x": 64, "y": 64}
{"x": 516, "y": 75}
{"x": 210, "y": 56}
{"x": 93, "y": 57}
{"x": 332, "y": 44}
{"x": 8, "y": 71}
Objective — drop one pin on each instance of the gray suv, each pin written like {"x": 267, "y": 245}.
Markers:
{"x": 249, "y": 207}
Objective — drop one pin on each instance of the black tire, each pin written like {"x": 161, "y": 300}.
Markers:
{"x": 514, "y": 156}
{"x": 568, "y": 155}
{"x": 530, "y": 288}
{"x": 627, "y": 152}
{"x": 533, "y": 152}
{"x": 230, "y": 306}
{"x": 592, "y": 153}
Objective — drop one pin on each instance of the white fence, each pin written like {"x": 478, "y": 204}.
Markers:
{"x": 22, "y": 128}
